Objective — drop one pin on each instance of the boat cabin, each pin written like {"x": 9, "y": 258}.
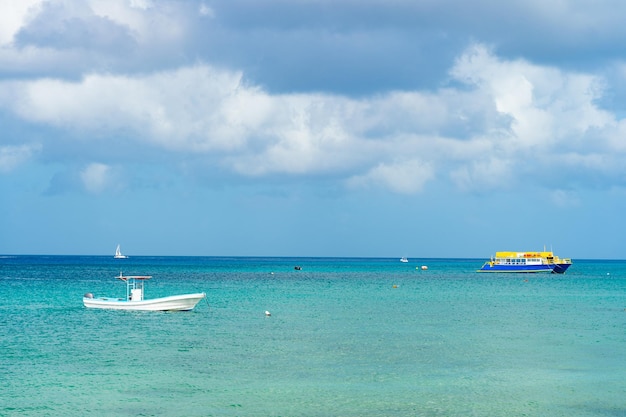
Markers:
{"x": 134, "y": 286}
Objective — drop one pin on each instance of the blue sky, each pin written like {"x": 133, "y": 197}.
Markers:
{"x": 312, "y": 128}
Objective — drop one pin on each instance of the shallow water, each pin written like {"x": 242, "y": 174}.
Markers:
{"x": 346, "y": 337}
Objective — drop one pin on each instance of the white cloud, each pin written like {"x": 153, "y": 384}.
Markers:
{"x": 485, "y": 173}
{"x": 553, "y": 114}
{"x": 206, "y": 11}
{"x": 189, "y": 109}
{"x": 150, "y": 25}
{"x": 405, "y": 177}
{"x": 96, "y": 177}
{"x": 617, "y": 138}
{"x": 564, "y": 198}
{"x": 13, "y": 156}
{"x": 546, "y": 104}
{"x": 67, "y": 37}
{"x": 141, "y": 4}
{"x": 515, "y": 118}
{"x": 14, "y": 14}
{"x": 155, "y": 26}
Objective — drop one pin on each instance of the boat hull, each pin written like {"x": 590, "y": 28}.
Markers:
{"x": 487, "y": 267}
{"x": 560, "y": 268}
{"x": 184, "y": 302}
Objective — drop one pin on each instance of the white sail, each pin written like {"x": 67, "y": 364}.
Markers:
{"x": 118, "y": 253}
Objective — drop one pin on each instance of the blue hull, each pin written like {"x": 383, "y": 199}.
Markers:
{"x": 560, "y": 268}
{"x": 517, "y": 268}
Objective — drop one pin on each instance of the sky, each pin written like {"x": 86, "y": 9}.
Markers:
{"x": 369, "y": 128}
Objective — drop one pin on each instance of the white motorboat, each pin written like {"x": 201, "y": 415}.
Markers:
{"x": 118, "y": 253}
{"x": 134, "y": 298}
{"x": 404, "y": 259}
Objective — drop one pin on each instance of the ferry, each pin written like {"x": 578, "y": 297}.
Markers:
{"x": 526, "y": 262}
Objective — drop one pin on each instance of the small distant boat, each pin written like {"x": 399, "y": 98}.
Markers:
{"x": 526, "y": 262}
{"x": 404, "y": 259}
{"x": 134, "y": 298}
{"x": 118, "y": 253}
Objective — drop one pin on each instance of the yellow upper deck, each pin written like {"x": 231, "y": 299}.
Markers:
{"x": 524, "y": 254}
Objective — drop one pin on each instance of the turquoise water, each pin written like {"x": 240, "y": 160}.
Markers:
{"x": 346, "y": 337}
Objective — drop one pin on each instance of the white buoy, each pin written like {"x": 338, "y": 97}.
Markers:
{"x": 424, "y": 267}
{"x": 267, "y": 313}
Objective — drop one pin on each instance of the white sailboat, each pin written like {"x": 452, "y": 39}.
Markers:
{"x": 118, "y": 253}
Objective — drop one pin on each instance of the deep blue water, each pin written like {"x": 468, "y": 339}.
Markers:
{"x": 347, "y": 337}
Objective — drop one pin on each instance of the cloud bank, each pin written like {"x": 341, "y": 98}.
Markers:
{"x": 493, "y": 122}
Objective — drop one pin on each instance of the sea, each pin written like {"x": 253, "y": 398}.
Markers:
{"x": 344, "y": 337}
